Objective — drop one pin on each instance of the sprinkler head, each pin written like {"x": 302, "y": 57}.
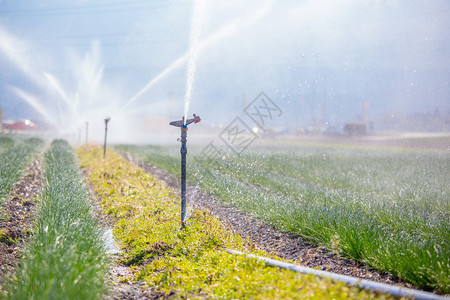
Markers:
{"x": 183, "y": 123}
{"x": 196, "y": 119}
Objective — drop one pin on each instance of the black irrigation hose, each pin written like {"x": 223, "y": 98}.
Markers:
{"x": 362, "y": 283}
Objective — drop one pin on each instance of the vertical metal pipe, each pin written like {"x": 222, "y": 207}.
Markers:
{"x": 183, "y": 152}
{"x": 106, "y": 133}
{"x": 183, "y": 124}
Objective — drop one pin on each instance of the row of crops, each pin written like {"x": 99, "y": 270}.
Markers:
{"x": 14, "y": 157}
{"x": 190, "y": 263}
{"x": 386, "y": 209}
{"x": 5, "y": 143}
{"x": 65, "y": 257}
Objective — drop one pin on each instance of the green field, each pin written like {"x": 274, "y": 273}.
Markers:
{"x": 388, "y": 209}
{"x": 189, "y": 263}
{"x": 15, "y": 155}
{"x": 65, "y": 257}
{"x": 5, "y": 143}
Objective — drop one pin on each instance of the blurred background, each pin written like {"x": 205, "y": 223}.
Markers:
{"x": 334, "y": 68}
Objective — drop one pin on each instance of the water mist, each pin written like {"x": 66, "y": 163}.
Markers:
{"x": 197, "y": 15}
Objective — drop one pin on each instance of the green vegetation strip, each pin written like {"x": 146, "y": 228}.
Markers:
{"x": 386, "y": 209}
{"x": 5, "y": 143}
{"x": 65, "y": 258}
{"x": 13, "y": 161}
{"x": 190, "y": 262}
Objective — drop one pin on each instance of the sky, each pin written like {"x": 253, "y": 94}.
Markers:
{"x": 71, "y": 62}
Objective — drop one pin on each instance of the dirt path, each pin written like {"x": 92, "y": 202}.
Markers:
{"x": 269, "y": 238}
{"x": 16, "y": 218}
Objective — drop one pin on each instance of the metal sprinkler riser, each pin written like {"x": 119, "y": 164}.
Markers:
{"x": 183, "y": 124}
{"x": 106, "y": 133}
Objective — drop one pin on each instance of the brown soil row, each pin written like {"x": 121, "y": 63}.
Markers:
{"x": 16, "y": 218}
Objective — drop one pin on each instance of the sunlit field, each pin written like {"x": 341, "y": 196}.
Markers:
{"x": 387, "y": 209}
{"x": 65, "y": 256}
{"x": 15, "y": 155}
{"x": 319, "y": 136}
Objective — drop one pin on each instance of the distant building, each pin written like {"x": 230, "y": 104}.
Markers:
{"x": 355, "y": 129}
{"x": 21, "y": 124}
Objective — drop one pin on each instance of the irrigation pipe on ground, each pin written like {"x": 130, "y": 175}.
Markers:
{"x": 366, "y": 284}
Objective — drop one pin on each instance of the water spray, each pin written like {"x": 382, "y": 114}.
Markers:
{"x": 106, "y": 132}
{"x": 183, "y": 124}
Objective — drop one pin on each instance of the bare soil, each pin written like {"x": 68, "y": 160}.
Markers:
{"x": 263, "y": 236}
{"x": 16, "y": 218}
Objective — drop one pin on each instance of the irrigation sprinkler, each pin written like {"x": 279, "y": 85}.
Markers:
{"x": 87, "y": 127}
{"x": 183, "y": 124}
{"x": 106, "y": 132}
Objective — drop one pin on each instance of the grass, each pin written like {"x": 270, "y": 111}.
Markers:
{"x": 387, "y": 209}
{"x": 5, "y": 143}
{"x": 14, "y": 159}
{"x": 189, "y": 263}
{"x": 65, "y": 258}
